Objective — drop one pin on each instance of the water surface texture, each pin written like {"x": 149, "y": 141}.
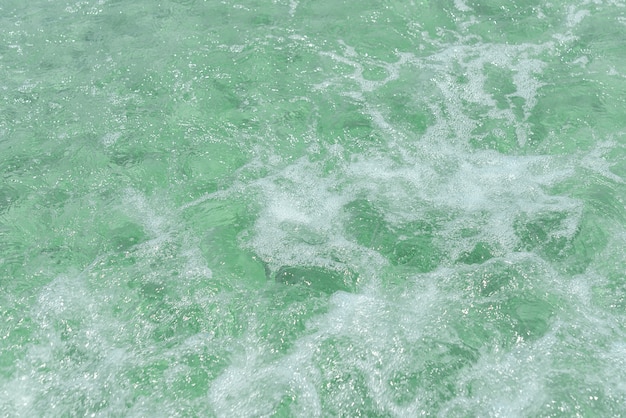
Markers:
{"x": 299, "y": 208}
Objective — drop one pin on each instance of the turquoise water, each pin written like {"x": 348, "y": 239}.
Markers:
{"x": 313, "y": 208}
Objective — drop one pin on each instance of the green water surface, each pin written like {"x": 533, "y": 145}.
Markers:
{"x": 312, "y": 208}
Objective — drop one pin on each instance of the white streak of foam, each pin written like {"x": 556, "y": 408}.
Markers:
{"x": 596, "y": 161}
{"x": 472, "y": 58}
{"x": 110, "y": 138}
{"x": 574, "y": 16}
{"x": 462, "y": 6}
{"x": 242, "y": 387}
{"x": 293, "y": 5}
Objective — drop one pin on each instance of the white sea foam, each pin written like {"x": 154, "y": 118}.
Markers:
{"x": 437, "y": 169}
{"x": 110, "y": 138}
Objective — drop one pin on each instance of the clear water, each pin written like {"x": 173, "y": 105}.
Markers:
{"x": 313, "y": 208}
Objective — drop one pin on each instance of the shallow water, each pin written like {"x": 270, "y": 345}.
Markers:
{"x": 298, "y": 208}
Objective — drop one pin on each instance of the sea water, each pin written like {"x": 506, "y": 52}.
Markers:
{"x": 376, "y": 208}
